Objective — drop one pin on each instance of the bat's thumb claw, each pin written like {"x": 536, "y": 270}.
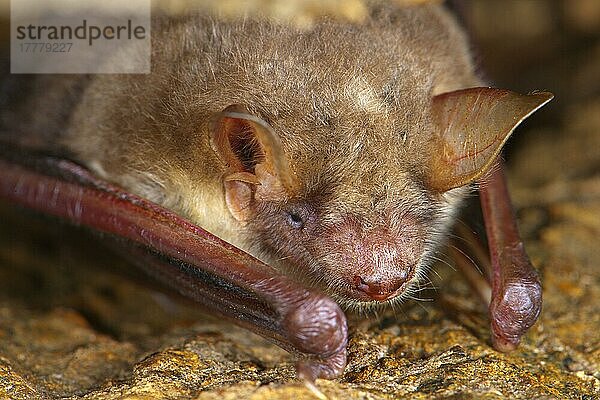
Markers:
{"x": 315, "y": 390}
{"x": 312, "y": 368}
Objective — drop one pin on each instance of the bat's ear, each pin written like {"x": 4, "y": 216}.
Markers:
{"x": 471, "y": 126}
{"x": 257, "y": 166}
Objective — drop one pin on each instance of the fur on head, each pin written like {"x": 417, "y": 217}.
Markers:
{"x": 330, "y": 152}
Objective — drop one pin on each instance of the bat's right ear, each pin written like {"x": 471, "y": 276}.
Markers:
{"x": 471, "y": 126}
{"x": 257, "y": 166}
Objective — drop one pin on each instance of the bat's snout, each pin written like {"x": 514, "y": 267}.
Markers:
{"x": 374, "y": 263}
{"x": 381, "y": 290}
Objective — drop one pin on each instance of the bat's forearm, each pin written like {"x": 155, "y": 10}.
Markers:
{"x": 198, "y": 265}
{"x": 516, "y": 289}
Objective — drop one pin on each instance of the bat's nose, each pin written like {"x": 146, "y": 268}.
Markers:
{"x": 380, "y": 290}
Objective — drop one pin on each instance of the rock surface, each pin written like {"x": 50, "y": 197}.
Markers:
{"x": 73, "y": 326}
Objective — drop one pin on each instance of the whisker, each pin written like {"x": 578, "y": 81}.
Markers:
{"x": 468, "y": 258}
{"x": 421, "y": 299}
{"x": 424, "y": 289}
{"x": 443, "y": 261}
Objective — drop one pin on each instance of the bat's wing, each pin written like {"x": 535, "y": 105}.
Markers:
{"x": 516, "y": 298}
{"x": 216, "y": 275}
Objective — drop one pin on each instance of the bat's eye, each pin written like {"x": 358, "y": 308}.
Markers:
{"x": 295, "y": 220}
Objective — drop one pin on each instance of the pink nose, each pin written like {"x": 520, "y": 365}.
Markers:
{"x": 379, "y": 291}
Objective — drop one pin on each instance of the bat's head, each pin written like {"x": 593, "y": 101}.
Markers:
{"x": 365, "y": 220}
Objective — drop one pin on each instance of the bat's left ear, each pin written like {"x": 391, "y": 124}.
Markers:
{"x": 471, "y": 126}
{"x": 258, "y": 169}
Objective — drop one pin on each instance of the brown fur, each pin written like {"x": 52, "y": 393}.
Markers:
{"x": 350, "y": 103}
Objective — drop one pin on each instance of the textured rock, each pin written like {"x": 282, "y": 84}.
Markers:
{"x": 72, "y": 325}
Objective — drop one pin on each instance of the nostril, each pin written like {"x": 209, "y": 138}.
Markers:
{"x": 360, "y": 284}
{"x": 375, "y": 290}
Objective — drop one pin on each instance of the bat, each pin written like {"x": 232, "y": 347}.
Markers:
{"x": 277, "y": 175}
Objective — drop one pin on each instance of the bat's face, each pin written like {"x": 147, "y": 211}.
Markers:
{"x": 362, "y": 248}
{"x": 344, "y": 207}
{"x": 363, "y": 218}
